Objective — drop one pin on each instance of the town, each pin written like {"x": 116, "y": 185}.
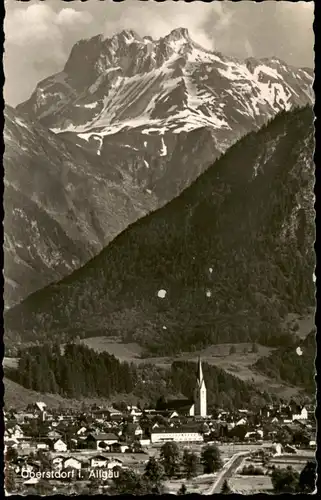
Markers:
{"x": 175, "y": 448}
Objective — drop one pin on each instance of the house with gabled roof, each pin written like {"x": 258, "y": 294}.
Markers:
{"x": 57, "y": 462}
{"x": 98, "y": 461}
{"x": 72, "y": 463}
{"x": 59, "y": 445}
{"x": 54, "y": 434}
{"x": 101, "y": 440}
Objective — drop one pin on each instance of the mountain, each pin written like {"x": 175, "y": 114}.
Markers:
{"x": 133, "y": 121}
{"x": 62, "y": 206}
{"x": 169, "y": 85}
{"x": 225, "y": 261}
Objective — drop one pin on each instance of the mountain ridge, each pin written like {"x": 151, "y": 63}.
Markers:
{"x": 145, "y": 116}
{"x": 255, "y": 200}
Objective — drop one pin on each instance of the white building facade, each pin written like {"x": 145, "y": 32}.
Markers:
{"x": 176, "y": 435}
{"x": 200, "y": 394}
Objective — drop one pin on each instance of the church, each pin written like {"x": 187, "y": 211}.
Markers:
{"x": 196, "y": 407}
{"x": 199, "y": 407}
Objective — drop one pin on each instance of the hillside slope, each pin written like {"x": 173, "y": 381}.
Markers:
{"x": 223, "y": 262}
{"x": 136, "y": 121}
{"x": 62, "y": 206}
{"x": 291, "y": 365}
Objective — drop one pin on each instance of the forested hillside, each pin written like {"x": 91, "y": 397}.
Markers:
{"x": 78, "y": 371}
{"x": 226, "y": 261}
{"x": 294, "y": 365}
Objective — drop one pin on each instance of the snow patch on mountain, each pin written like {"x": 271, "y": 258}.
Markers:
{"x": 163, "y": 151}
{"x": 21, "y": 123}
{"x": 91, "y": 105}
{"x": 262, "y": 68}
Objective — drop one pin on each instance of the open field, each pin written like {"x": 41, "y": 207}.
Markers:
{"x": 237, "y": 364}
{"x": 124, "y": 352}
{"x": 199, "y": 484}
{"x": 304, "y": 324}
{"x": 248, "y": 485}
{"x": 228, "y": 450}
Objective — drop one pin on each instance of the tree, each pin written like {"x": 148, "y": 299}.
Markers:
{"x": 190, "y": 463}
{"x": 45, "y": 460}
{"x": 255, "y": 348}
{"x": 10, "y": 480}
{"x": 283, "y": 436}
{"x": 11, "y": 455}
{"x": 154, "y": 471}
{"x": 43, "y": 487}
{"x": 307, "y": 480}
{"x": 226, "y": 488}
{"x": 170, "y": 458}
{"x": 131, "y": 483}
{"x": 211, "y": 459}
{"x": 301, "y": 437}
{"x": 285, "y": 480}
{"x": 182, "y": 490}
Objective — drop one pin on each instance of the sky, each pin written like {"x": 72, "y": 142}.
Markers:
{"x": 39, "y": 35}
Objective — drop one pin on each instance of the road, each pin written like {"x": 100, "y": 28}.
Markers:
{"x": 227, "y": 471}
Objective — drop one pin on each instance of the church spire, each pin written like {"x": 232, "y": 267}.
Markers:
{"x": 200, "y": 377}
{"x": 200, "y": 392}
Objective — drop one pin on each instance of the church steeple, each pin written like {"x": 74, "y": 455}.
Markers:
{"x": 200, "y": 396}
{"x": 200, "y": 378}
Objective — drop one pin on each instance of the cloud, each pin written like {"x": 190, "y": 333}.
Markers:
{"x": 39, "y": 36}
{"x": 70, "y": 18}
{"x": 37, "y": 44}
{"x": 158, "y": 19}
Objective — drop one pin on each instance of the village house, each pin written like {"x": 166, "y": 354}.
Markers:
{"x": 257, "y": 433}
{"x": 10, "y": 443}
{"x": 42, "y": 445}
{"x": 144, "y": 441}
{"x": 180, "y": 406}
{"x": 98, "y": 461}
{"x": 173, "y": 414}
{"x": 53, "y": 434}
{"x": 57, "y": 462}
{"x": 14, "y": 432}
{"x": 114, "y": 462}
{"x": 59, "y": 445}
{"x": 132, "y": 431}
{"x": 118, "y": 447}
{"x": 300, "y": 413}
{"x": 241, "y": 421}
{"x": 101, "y": 440}
{"x": 72, "y": 463}
{"x": 114, "y": 415}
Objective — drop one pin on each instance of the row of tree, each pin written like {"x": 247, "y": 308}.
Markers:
{"x": 291, "y": 481}
{"x": 74, "y": 371}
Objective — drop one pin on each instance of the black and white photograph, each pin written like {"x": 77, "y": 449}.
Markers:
{"x": 159, "y": 263}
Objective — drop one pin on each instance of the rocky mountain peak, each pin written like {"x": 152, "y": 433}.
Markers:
{"x": 179, "y": 34}
{"x": 129, "y": 35}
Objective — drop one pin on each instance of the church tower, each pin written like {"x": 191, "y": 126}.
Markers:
{"x": 200, "y": 396}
